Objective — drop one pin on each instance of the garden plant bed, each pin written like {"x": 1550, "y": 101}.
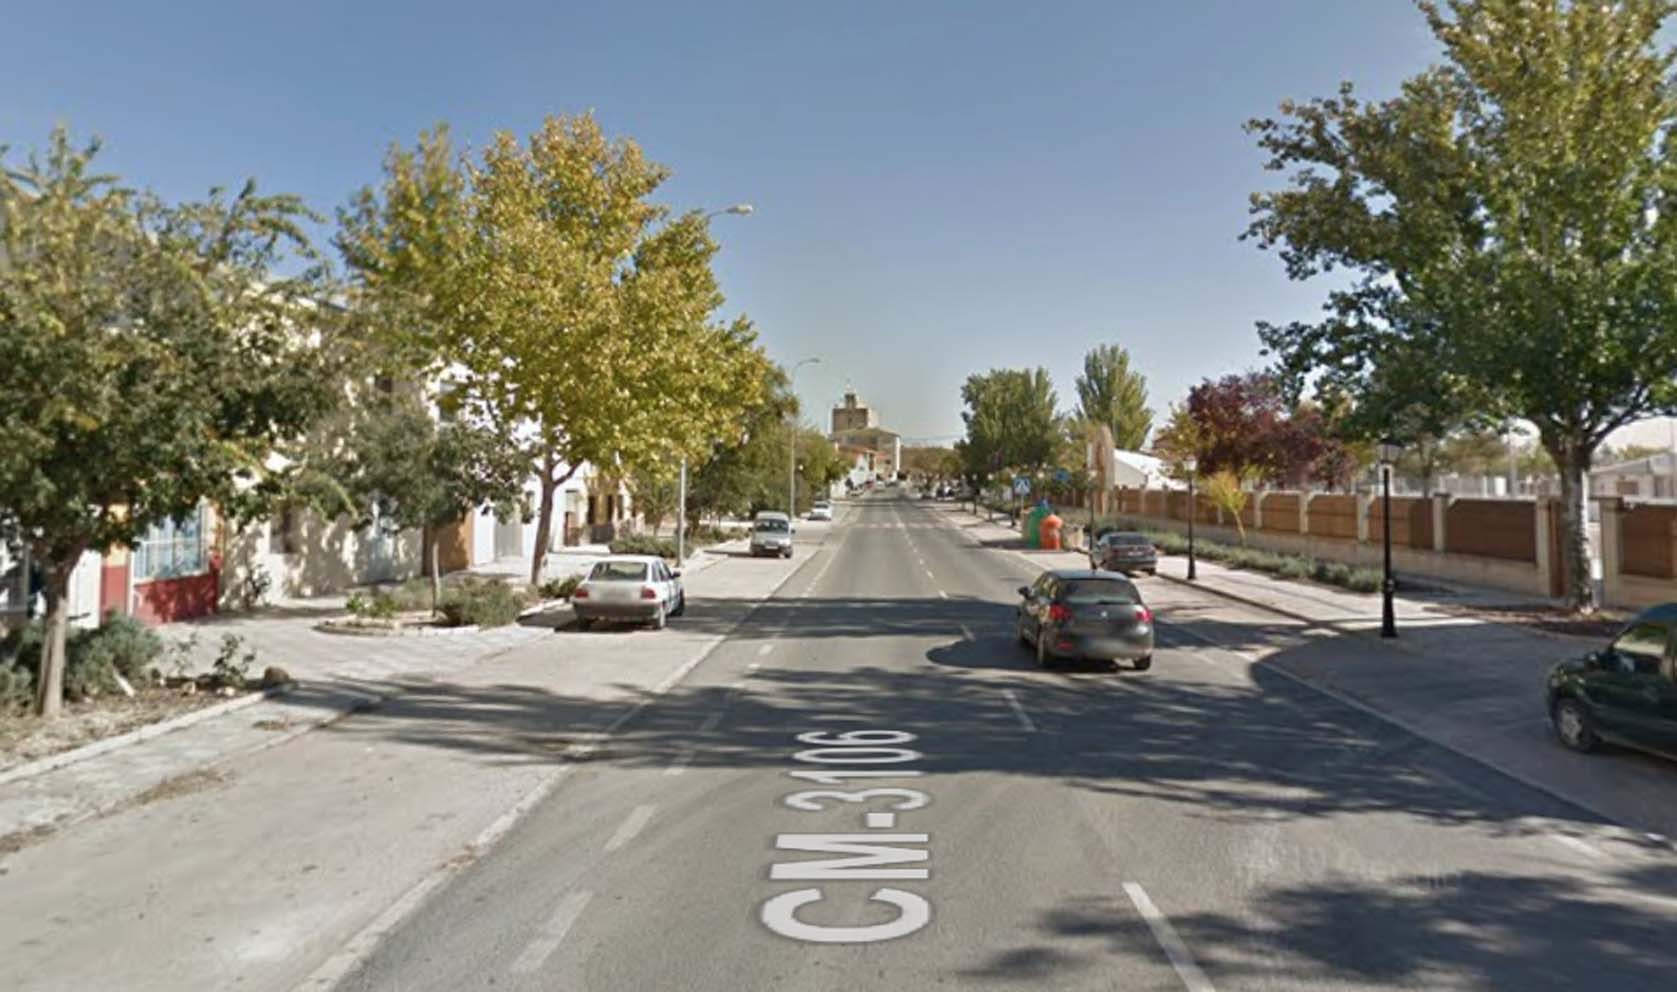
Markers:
{"x": 418, "y": 624}
{"x": 28, "y": 738}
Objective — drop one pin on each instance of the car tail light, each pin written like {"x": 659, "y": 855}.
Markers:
{"x": 1143, "y": 615}
{"x": 647, "y": 592}
{"x": 1059, "y": 613}
{"x": 580, "y": 592}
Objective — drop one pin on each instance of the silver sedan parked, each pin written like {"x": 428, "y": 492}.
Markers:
{"x": 1085, "y": 614}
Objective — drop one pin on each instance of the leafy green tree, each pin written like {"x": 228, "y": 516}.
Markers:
{"x": 573, "y": 312}
{"x": 1012, "y": 420}
{"x": 152, "y": 358}
{"x": 402, "y": 469}
{"x": 656, "y": 491}
{"x": 1110, "y": 392}
{"x": 1509, "y": 226}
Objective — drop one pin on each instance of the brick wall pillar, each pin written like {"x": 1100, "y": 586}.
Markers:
{"x": 1612, "y": 546}
{"x": 1365, "y": 507}
{"x": 1545, "y": 548}
{"x": 1304, "y": 511}
{"x": 1258, "y": 510}
{"x": 1440, "y": 514}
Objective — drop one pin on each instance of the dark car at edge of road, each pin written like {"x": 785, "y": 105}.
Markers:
{"x": 1624, "y": 694}
{"x": 1125, "y": 551}
{"x": 1085, "y": 614}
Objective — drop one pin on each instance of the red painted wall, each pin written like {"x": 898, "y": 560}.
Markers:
{"x": 168, "y": 600}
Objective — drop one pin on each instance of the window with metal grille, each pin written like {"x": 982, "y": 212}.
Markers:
{"x": 172, "y": 549}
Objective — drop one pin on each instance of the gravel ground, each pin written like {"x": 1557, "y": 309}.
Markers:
{"x": 26, "y": 738}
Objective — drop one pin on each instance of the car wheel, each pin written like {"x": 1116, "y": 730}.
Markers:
{"x": 680, "y": 606}
{"x": 1574, "y": 726}
{"x": 1143, "y": 664}
{"x": 584, "y": 623}
{"x": 660, "y": 618}
{"x": 1044, "y": 659}
{"x": 1020, "y": 626}
{"x": 1153, "y": 571}
{"x": 787, "y": 553}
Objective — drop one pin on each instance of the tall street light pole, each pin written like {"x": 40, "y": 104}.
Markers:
{"x": 1192, "y": 464}
{"x": 1389, "y": 451}
{"x": 740, "y": 210}
{"x": 792, "y": 448}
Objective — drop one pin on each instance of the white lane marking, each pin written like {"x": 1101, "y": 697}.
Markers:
{"x": 554, "y": 931}
{"x": 680, "y": 763}
{"x": 942, "y": 595}
{"x": 754, "y": 666}
{"x": 929, "y": 575}
{"x": 710, "y": 723}
{"x": 1018, "y": 710}
{"x": 633, "y": 824}
{"x": 966, "y": 632}
{"x": 1583, "y": 847}
{"x": 765, "y": 649}
{"x": 628, "y": 715}
{"x": 880, "y": 821}
{"x": 361, "y": 946}
{"x": 1180, "y": 957}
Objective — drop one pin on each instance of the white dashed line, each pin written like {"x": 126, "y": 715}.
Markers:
{"x": 942, "y": 595}
{"x": 1018, "y": 710}
{"x": 1582, "y": 847}
{"x": 710, "y": 723}
{"x": 1180, "y": 958}
{"x": 966, "y": 632}
{"x": 552, "y": 933}
{"x": 632, "y": 825}
{"x": 765, "y": 649}
{"x": 680, "y": 763}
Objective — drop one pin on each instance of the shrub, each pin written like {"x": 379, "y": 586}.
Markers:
{"x": 93, "y": 658}
{"x": 17, "y": 687}
{"x": 230, "y": 667}
{"x": 643, "y": 544}
{"x": 559, "y": 588}
{"x": 481, "y": 602}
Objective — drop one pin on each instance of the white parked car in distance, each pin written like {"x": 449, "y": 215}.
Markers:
{"x": 822, "y": 510}
{"x": 635, "y": 588}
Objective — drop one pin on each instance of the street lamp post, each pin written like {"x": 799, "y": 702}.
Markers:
{"x": 1389, "y": 451}
{"x": 792, "y": 448}
{"x": 740, "y": 210}
{"x": 1191, "y": 464}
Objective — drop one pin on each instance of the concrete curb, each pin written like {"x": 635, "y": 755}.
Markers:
{"x": 62, "y": 759}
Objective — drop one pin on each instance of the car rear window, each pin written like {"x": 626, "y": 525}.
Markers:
{"x": 1098, "y": 591}
{"x": 618, "y": 571}
{"x": 771, "y": 526}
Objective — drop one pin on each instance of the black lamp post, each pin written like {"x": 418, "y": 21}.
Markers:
{"x": 1389, "y": 451}
{"x": 1191, "y": 463}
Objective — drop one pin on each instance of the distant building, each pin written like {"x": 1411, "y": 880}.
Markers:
{"x": 873, "y": 451}
{"x": 853, "y": 415}
{"x": 1653, "y": 477}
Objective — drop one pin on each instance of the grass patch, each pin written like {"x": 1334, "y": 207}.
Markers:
{"x": 1296, "y": 567}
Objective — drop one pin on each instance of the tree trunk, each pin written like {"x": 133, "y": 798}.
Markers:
{"x": 544, "y": 523}
{"x": 49, "y": 687}
{"x": 433, "y": 538}
{"x": 1578, "y": 588}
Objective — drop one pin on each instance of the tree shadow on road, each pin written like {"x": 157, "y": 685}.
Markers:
{"x": 1478, "y": 929}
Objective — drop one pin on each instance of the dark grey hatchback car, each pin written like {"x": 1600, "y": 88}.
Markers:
{"x": 1125, "y": 551}
{"x": 1085, "y": 614}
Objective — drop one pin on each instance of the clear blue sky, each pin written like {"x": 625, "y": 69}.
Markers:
{"x": 941, "y": 188}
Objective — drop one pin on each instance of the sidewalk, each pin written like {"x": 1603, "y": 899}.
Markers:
{"x": 335, "y": 673}
{"x": 1459, "y": 677}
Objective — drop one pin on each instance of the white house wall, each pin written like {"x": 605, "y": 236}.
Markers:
{"x": 329, "y": 557}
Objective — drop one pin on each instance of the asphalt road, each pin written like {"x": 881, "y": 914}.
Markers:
{"x": 988, "y": 825}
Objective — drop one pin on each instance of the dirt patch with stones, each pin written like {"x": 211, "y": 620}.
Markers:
{"x": 27, "y": 738}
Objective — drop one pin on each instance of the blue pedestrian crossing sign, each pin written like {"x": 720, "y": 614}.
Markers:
{"x": 1021, "y": 487}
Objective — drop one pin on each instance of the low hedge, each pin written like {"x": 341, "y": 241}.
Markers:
{"x": 1335, "y": 573}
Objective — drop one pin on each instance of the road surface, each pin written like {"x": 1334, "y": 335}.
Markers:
{"x": 869, "y": 785}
